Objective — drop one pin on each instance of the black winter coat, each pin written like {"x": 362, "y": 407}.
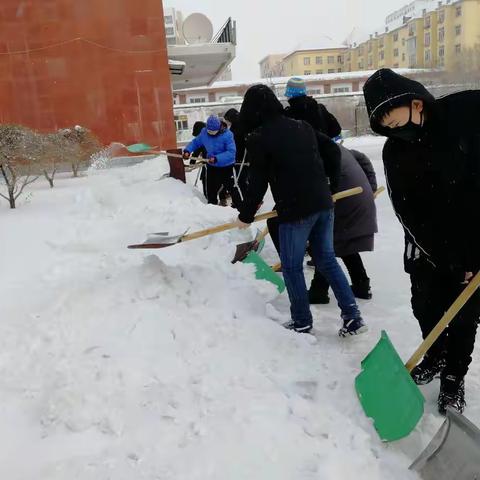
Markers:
{"x": 316, "y": 114}
{"x": 434, "y": 182}
{"x": 297, "y": 162}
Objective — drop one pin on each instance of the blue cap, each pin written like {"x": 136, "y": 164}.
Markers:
{"x": 296, "y": 88}
{"x": 213, "y": 123}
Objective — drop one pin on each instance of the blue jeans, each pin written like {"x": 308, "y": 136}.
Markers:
{"x": 318, "y": 229}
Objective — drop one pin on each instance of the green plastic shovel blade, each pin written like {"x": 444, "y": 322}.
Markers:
{"x": 139, "y": 148}
{"x": 387, "y": 392}
{"x": 264, "y": 271}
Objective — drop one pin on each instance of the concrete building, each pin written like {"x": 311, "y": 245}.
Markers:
{"x": 173, "y": 20}
{"x": 272, "y": 66}
{"x": 66, "y": 63}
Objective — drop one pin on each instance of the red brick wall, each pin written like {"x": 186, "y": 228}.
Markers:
{"x": 101, "y": 64}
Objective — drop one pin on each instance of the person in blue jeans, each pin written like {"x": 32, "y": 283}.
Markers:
{"x": 302, "y": 167}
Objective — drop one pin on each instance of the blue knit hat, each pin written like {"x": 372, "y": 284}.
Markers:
{"x": 213, "y": 123}
{"x": 295, "y": 88}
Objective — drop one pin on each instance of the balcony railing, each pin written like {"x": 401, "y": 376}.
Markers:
{"x": 227, "y": 34}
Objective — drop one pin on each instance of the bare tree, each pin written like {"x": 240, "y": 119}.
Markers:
{"x": 17, "y": 158}
{"x": 80, "y": 145}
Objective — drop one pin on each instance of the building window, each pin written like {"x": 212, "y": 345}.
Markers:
{"x": 306, "y": 60}
{"x": 458, "y": 48}
{"x": 427, "y": 39}
{"x": 458, "y": 30}
{"x": 307, "y": 72}
{"x": 181, "y": 122}
{"x": 197, "y": 100}
{"x": 395, "y": 52}
{"x": 339, "y": 70}
{"x": 458, "y": 11}
{"x": 441, "y": 52}
{"x": 428, "y": 56}
{"x": 428, "y": 22}
{"x": 341, "y": 89}
{"x": 319, "y": 72}
{"x": 403, "y": 57}
{"x": 331, "y": 60}
{"x": 395, "y": 37}
{"x": 441, "y": 34}
{"x": 331, "y": 70}
{"x": 360, "y": 51}
{"x": 171, "y": 41}
{"x": 319, "y": 60}
{"x": 441, "y": 16}
{"x": 168, "y": 19}
{"x": 382, "y": 55}
{"x": 169, "y": 31}
{"x": 403, "y": 42}
{"x": 340, "y": 59}
{"x": 370, "y": 60}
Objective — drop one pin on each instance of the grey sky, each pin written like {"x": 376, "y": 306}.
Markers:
{"x": 272, "y": 26}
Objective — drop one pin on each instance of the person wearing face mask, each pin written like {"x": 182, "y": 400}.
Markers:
{"x": 220, "y": 146}
{"x": 432, "y": 168}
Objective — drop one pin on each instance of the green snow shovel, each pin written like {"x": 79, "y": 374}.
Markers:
{"x": 385, "y": 388}
{"x": 264, "y": 271}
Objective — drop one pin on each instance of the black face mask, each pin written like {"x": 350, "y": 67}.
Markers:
{"x": 410, "y": 132}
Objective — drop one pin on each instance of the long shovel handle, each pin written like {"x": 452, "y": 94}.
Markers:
{"x": 444, "y": 322}
{"x": 378, "y": 192}
{"x": 259, "y": 218}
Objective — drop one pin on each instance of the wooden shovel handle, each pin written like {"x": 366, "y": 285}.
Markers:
{"x": 259, "y": 218}
{"x": 444, "y": 322}
{"x": 378, "y": 192}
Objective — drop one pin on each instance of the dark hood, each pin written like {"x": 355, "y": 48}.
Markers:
{"x": 260, "y": 105}
{"x": 385, "y": 90}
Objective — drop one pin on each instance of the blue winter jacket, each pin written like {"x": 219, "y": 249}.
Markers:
{"x": 221, "y": 146}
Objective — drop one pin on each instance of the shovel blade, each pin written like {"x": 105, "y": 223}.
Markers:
{"x": 454, "y": 451}
{"x": 243, "y": 249}
{"x": 387, "y": 392}
{"x": 158, "y": 240}
{"x": 139, "y": 148}
{"x": 264, "y": 271}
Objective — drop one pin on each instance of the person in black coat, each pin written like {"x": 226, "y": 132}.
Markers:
{"x": 303, "y": 107}
{"x": 232, "y": 118}
{"x": 302, "y": 167}
{"x": 432, "y": 167}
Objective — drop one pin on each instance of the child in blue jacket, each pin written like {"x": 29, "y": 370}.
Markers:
{"x": 221, "y": 152}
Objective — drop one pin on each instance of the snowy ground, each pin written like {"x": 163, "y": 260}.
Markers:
{"x": 172, "y": 365}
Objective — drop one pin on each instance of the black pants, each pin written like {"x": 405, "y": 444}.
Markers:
{"x": 355, "y": 268}
{"x": 216, "y": 178}
{"x": 353, "y": 262}
{"x": 433, "y": 292}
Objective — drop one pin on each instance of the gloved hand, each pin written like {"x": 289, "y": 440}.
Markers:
{"x": 241, "y": 225}
{"x": 212, "y": 160}
{"x": 186, "y": 155}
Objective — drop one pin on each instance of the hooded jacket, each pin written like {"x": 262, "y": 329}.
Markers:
{"x": 221, "y": 146}
{"x": 316, "y": 114}
{"x": 290, "y": 156}
{"x": 434, "y": 181}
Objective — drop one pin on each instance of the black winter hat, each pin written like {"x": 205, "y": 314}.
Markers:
{"x": 197, "y": 128}
{"x": 231, "y": 115}
{"x": 259, "y": 105}
{"x": 386, "y": 90}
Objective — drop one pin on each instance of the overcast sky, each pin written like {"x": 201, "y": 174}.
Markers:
{"x": 273, "y": 26}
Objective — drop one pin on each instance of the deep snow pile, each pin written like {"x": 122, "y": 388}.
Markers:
{"x": 171, "y": 364}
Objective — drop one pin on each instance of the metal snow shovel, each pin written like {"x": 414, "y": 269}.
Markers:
{"x": 385, "y": 388}
{"x": 243, "y": 249}
{"x": 453, "y": 453}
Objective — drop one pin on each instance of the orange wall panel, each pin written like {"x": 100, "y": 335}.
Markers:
{"x": 101, "y": 64}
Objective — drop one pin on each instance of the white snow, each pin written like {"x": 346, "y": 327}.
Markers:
{"x": 171, "y": 364}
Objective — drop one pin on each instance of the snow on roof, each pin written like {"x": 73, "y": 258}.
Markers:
{"x": 308, "y": 78}
{"x": 321, "y": 42}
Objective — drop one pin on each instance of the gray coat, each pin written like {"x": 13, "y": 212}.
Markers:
{"x": 356, "y": 217}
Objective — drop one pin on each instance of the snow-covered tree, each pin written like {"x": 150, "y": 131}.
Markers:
{"x": 17, "y": 161}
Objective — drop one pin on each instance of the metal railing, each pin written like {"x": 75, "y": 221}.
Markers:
{"x": 227, "y": 34}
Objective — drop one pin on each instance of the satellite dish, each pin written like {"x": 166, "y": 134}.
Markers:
{"x": 197, "y": 28}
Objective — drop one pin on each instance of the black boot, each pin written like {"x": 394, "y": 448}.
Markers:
{"x": 318, "y": 293}
{"x": 362, "y": 290}
{"x": 428, "y": 369}
{"x": 452, "y": 394}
